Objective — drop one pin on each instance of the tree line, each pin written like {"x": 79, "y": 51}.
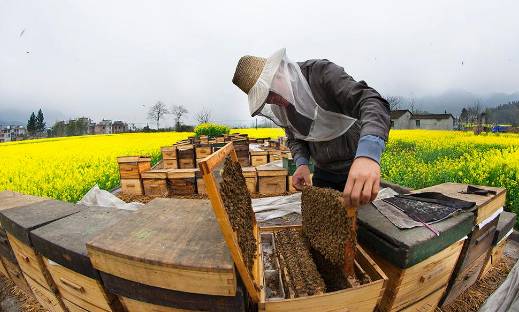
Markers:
{"x": 36, "y": 124}
{"x": 159, "y": 110}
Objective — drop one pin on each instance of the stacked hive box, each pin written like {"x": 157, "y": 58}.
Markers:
{"x": 169, "y": 157}
{"x": 63, "y": 246}
{"x": 476, "y": 249}
{"x": 182, "y": 181}
{"x": 251, "y": 178}
{"x": 8, "y": 260}
{"x": 149, "y": 271}
{"x": 186, "y": 156}
{"x": 155, "y": 182}
{"x": 130, "y": 170}
{"x": 18, "y": 223}
{"x": 418, "y": 263}
{"x": 504, "y": 228}
{"x": 242, "y": 151}
{"x": 258, "y": 158}
{"x": 271, "y": 179}
{"x": 202, "y": 151}
{"x": 363, "y": 298}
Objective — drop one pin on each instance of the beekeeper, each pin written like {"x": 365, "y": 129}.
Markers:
{"x": 340, "y": 123}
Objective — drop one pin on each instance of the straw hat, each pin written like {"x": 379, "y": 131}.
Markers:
{"x": 248, "y": 71}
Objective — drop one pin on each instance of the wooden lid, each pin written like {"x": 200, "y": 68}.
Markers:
{"x": 184, "y": 147}
{"x": 182, "y": 173}
{"x": 20, "y": 221}
{"x": 211, "y": 168}
{"x": 64, "y": 241}
{"x": 249, "y": 172}
{"x": 156, "y": 174}
{"x": 131, "y": 159}
{"x": 271, "y": 170}
{"x": 258, "y": 153}
{"x": 168, "y": 148}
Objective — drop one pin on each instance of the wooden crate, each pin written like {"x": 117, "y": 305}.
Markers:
{"x": 251, "y": 178}
{"x": 486, "y": 205}
{"x": 182, "y": 181}
{"x": 258, "y": 158}
{"x": 203, "y": 151}
{"x": 63, "y": 246}
{"x": 155, "y": 182}
{"x": 18, "y": 223}
{"x": 272, "y": 179}
{"x": 169, "y": 152}
{"x": 406, "y": 287}
{"x": 363, "y": 298}
{"x": 170, "y": 163}
{"x": 186, "y": 156}
{"x": 131, "y": 167}
{"x": 138, "y": 258}
{"x": 132, "y": 186}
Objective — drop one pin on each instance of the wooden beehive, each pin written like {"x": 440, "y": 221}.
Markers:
{"x": 274, "y": 155}
{"x": 251, "y": 178}
{"x": 63, "y": 246}
{"x": 203, "y": 151}
{"x": 362, "y": 298}
{"x": 10, "y": 200}
{"x": 186, "y": 156}
{"x": 155, "y": 182}
{"x": 132, "y": 186}
{"x": 131, "y": 167}
{"x": 169, "y": 157}
{"x": 182, "y": 181}
{"x": 18, "y": 223}
{"x": 149, "y": 271}
{"x": 258, "y": 158}
{"x": 272, "y": 179}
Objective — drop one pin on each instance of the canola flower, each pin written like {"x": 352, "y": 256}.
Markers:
{"x": 66, "y": 168}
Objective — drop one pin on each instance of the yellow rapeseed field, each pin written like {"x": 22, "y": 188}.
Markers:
{"x": 65, "y": 168}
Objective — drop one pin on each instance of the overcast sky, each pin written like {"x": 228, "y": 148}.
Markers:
{"x": 113, "y": 59}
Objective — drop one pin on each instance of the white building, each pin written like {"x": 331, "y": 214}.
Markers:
{"x": 12, "y": 133}
{"x": 404, "y": 119}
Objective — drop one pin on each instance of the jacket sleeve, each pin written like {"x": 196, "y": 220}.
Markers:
{"x": 298, "y": 148}
{"x": 358, "y": 100}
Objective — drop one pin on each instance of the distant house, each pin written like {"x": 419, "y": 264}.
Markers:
{"x": 12, "y": 133}
{"x": 119, "y": 127}
{"x": 404, "y": 119}
{"x": 103, "y": 127}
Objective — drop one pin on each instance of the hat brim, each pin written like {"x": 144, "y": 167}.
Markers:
{"x": 260, "y": 90}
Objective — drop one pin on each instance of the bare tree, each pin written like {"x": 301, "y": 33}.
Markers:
{"x": 203, "y": 115}
{"x": 157, "y": 111}
{"x": 412, "y": 105}
{"x": 394, "y": 102}
{"x": 178, "y": 112}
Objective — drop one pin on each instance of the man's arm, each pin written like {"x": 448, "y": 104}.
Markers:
{"x": 301, "y": 155}
{"x": 364, "y": 103}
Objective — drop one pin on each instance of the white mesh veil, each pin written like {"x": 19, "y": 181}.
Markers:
{"x": 307, "y": 120}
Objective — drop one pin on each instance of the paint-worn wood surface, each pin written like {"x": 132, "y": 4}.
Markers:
{"x": 427, "y": 304}
{"x": 132, "y": 186}
{"x": 408, "y": 286}
{"x": 16, "y": 275}
{"x": 486, "y": 205}
{"x": 363, "y": 298}
{"x": 3, "y": 269}
{"x": 144, "y": 297}
{"x": 48, "y": 299}
{"x": 174, "y": 244}
{"x": 20, "y": 221}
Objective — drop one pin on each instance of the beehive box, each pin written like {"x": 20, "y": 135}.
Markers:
{"x": 170, "y": 163}
{"x": 271, "y": 179}
{"x": 63, "y": 246}
{"x": 156, "y": 183}
{"x": 182, "y": 181}
{"x": 132, "y": 186}
{"x": 274, "y": 155}
{"x": 186, "y": 156}
{"x": 362, "y": 298}
{"x": 203, "y": 151}
{"x": 200, "y": 184}
{"x": 258, "y": 158}
{"x": 251, "y": 178}
{"x": 10, "y": 200}
{"x": 18, "y": 223}
{"x": 169, "y": 152}
{"x": 131, "y": 167}
{"x": 149, "y": 271}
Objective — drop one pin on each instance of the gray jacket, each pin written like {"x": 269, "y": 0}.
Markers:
{"x": 336, "y": 91}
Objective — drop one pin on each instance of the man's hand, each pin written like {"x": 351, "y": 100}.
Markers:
{"x": 363, "y": 182}
{"x": 301, "y": 177}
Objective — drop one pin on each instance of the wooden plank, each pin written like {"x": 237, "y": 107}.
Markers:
{"x": 3, "y": 270}
{"x": 156, "y": 174}
{"x": 49, "y": 301}
{"x": 20, "y": 221}
{"x": 140, "y": 248}
{"x": 64, "y": 241}
{"x": 16, "y": 275}
{"x": 208, "y": 165}
{"x": 165, "y": 298}
{"x": 137, "y": 306}
{"x": 83, "y": 291}
{"x": 427, "y": 304}
{"x": 132, "y": 159}
{"x": 182, "y": 173}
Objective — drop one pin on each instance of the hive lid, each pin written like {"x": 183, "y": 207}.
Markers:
{"x": 212, "y": 168}
{"x": 182, "y": 173}
{"x": 132, "y": 159}
{"x": 20, "y": 221}
{"x": 64, "y": 241}
{"x": 274, "y": 168}
{"x": 168, "y": 148}
{"x": 156, "y": 174}
{"x": 258, "y": 153}
{"x": 249, "y": 172}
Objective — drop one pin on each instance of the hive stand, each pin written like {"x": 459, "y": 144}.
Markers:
{"x": 63, "y": 246}
{"x": 10, "y": 200}
{"x": 18, "y": 223}
{"x": 363, "y": 298}
{"x": 168, "y": 255}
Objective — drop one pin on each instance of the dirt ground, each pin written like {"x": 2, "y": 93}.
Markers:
{"x": 12, "y": 299}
